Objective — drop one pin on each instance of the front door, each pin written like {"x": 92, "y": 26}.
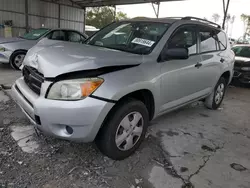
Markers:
{"x": 179, "y": 80}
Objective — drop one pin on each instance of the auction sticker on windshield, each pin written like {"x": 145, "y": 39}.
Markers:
{"x": 143, "y": 42}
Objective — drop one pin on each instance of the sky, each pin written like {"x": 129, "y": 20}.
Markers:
{"x": 197, "y": 8}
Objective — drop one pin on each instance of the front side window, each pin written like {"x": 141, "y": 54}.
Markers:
{"x": 184, "y": 37}
{"x": 57, "y": 35}
{"x": 35, "y": 34}
{"x": 208, "y": 40}
{"x": 135, "y": 37}
{"x": 242, "y": 51}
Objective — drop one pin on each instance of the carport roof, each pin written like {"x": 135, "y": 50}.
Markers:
{"x": 95, "y": 3}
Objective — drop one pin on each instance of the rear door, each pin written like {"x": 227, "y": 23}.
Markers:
{"x": 211, "y": 55}
{"x": 179, "y": 78}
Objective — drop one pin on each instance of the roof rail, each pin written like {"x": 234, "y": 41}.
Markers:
{"x": 174, "y": 17}
{"x": 203, "y": 20}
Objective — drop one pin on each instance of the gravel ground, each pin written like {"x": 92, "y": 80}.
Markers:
{"x": 191, "y": 147}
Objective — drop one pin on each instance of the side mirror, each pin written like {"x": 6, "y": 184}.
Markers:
{"x": 176, "y": 53}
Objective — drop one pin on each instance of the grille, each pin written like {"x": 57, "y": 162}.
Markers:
{"x": 33, "y": 79}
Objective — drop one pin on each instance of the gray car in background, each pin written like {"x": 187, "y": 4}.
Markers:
{"x": 13, "y": 50}
{"x": 127, "y": 74}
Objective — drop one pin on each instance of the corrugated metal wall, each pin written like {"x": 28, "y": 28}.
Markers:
{"x": 13, "y": 10}
{"x": 41, "y": 13}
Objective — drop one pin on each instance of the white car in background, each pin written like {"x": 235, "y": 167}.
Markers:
{"x": 13, "y": 50}
{"x": 90, "y": 30}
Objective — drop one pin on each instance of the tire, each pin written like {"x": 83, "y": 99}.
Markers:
{"x": 109, "y": 139}
{"x": 17, "y": 58}
{"x": 213, "y": 101}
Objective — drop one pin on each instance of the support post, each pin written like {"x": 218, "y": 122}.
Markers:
{"x": 115, "y": 13}
{"x": 157, "y": 11}
{"x": 84, "y": 19}
{"x": 225, "y": 11}
{"x": 59, "y": 16}
{"x": 26, "y": 16}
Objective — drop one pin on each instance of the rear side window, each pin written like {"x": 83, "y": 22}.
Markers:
{"x": 208, "y": 41}
{"x": 57, "y": 35}
{"x": 222, "y": 40}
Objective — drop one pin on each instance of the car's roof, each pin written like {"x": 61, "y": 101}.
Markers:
{"x": 161, "y": 20}
{"x": 171, "y": 20}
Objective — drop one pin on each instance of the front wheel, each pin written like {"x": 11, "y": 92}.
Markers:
{"x": 17, "y": 58}
{"x": 214, "y": 100}
{"x": 124, "y": 129}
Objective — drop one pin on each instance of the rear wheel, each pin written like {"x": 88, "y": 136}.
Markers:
{"x": 214, "y": 100}
{"x": 17, "y": 59}
{"x": 124, "y": 129}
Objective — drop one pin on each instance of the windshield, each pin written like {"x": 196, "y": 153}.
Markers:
{"x": 35, "y": 34}
{"x": 242, "y": 51}
{"x": 134, "y": 37}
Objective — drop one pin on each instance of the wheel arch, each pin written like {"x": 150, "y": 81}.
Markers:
{"x": 18, "y": 50}
{"x": 143, "y": 95}
{"x": 226, "y": 75}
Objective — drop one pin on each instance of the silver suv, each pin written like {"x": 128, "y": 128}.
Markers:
{"x": 127, "y": 74}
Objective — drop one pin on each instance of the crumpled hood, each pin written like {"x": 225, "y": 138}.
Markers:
{"x": 9, "y": 40}
{"x": 65, "y": 57}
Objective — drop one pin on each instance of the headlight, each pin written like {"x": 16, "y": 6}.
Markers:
{"x": 245, "y": 68}
{"x": 74, "y": 89}
{"x": 2, "y": 49}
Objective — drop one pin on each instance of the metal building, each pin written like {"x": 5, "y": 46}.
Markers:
{"x": 28, "y": 14}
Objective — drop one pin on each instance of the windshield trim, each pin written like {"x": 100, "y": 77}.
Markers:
{"x": 130, "y": 21}
{"x": 122, "y": 50}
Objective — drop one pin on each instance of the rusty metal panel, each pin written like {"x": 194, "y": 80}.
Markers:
{"x": 13, "y": 5}
{"x": 34, "y": 7}
{"x": 38, "y": 22}
{"x": 72, "y": 25}
{"x": 42, "y": 8}
{"x": 71, "y": 13}
{"x": 18, "y": 19}
{"x": 95, "y": 3}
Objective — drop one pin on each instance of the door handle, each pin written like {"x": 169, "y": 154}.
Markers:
{"x": 222, "y": 60}
{"x": 198, "y": 65}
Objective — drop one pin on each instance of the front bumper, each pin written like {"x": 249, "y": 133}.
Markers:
{"x": 242, "y": 77}
{"x": 85, "y": 117}
{"x": 5, "y": 56}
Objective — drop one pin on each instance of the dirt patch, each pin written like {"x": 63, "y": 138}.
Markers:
{"x": 59, "y": 163}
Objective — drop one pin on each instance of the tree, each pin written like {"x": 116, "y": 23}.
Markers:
{"x": 101, "y": 16}
{"x": 232, "y": 25}
{"x": 215, "y": 17}
{"x": 246, "y": 19}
